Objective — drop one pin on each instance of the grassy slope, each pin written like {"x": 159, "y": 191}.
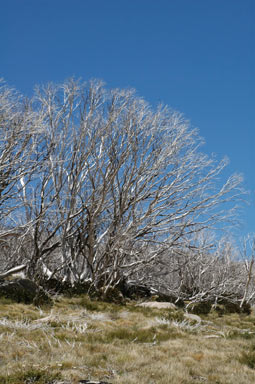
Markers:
{"x": 79, "y": 339}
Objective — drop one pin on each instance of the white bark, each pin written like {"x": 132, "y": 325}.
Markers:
{"x": 117, "y": 184}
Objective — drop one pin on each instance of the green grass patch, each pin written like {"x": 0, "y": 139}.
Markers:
{"x": 125, "y": 335}
{"x": 238, "y": 334}
{"x": 30, "y": 376}
{"x": 97, "y": 306}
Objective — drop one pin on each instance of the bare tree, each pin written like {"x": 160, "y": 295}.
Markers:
{"x": 120, "y": 184}
{"x": 248, "y": 258}
{"x": 20, "y": 127}
{"x": 214, "y": 270}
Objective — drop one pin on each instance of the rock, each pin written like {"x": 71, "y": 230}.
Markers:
{"x": 169, "y": 298}
{"x": 157, "y": 305}
{"x": 134, "y": 291}
{"x": 24, "y": 291}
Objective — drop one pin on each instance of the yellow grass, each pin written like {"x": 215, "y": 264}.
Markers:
{"x": 77, "y": 339}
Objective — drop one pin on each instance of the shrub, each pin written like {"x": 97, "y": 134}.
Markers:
{"x": 202, "y": 308}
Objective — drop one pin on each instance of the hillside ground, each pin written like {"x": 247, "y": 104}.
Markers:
{"x": 82, "y": 339}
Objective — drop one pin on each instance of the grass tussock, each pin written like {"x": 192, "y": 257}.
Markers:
{"x": 248, "y": 357}
{"x": 80, "y": 339}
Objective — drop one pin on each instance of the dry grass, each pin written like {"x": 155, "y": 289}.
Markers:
{"x": 79, "y": 339}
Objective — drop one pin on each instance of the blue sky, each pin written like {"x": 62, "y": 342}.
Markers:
{"x": 197, "y": 56}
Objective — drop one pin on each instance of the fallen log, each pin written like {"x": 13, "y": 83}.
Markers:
{"x": 12, "y": 271}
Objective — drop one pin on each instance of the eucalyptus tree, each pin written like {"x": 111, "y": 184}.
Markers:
{"x": 20, "y": 127}
{"x": 15, "y": 139}
{"x": 125, "y": 183}
{"x": 121, "y": 184}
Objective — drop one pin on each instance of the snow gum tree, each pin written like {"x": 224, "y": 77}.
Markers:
{"x": 119, "y": 186}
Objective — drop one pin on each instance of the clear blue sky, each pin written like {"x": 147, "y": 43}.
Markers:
{"x": 195, "y": 55}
